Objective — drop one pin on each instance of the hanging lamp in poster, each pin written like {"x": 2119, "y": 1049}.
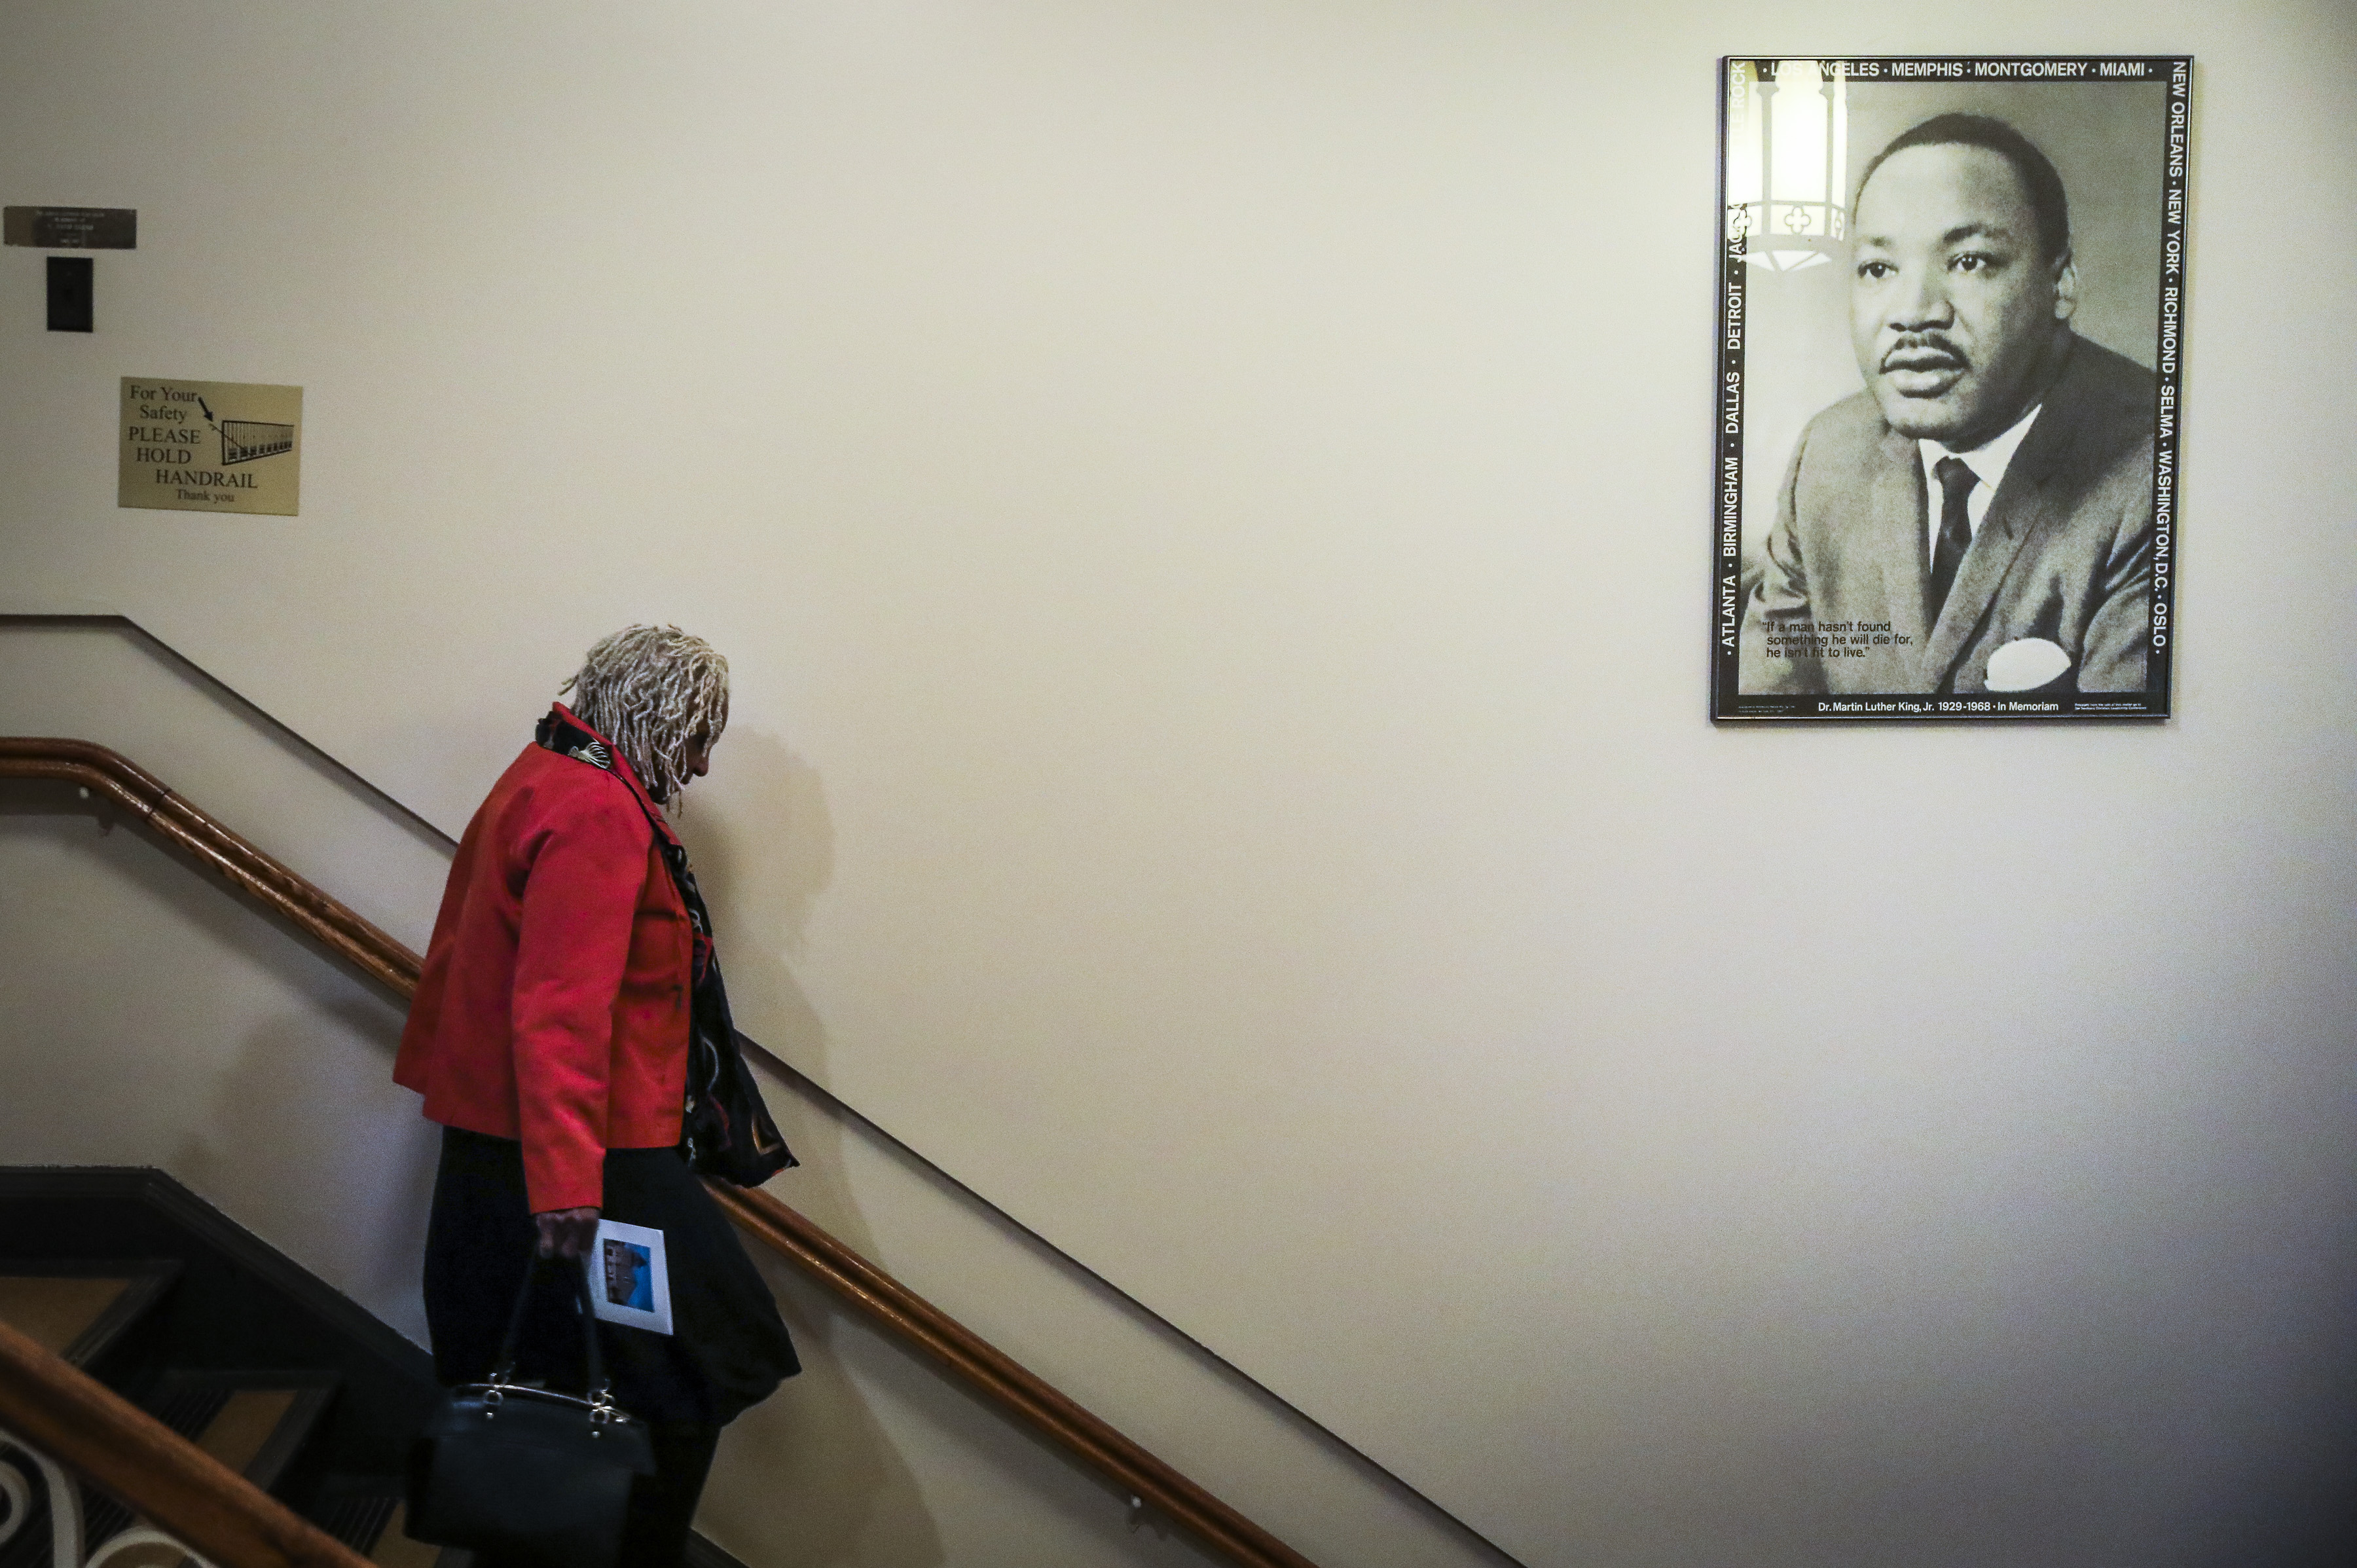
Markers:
{"x": 1951, "y": 305}
{"x": 209, "y": 446}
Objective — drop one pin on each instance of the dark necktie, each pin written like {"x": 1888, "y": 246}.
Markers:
{"x": 1956, "y": 482}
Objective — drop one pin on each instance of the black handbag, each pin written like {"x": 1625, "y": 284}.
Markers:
{"x": 725, "y": 1131}
{"x": 524, "y": 1474}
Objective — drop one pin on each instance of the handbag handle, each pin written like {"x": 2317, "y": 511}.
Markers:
{"x": 504, "y": 1366}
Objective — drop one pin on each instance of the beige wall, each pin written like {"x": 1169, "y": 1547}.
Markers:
{"x": 146, "y": 1018}
{"x": 1207, "y": 505}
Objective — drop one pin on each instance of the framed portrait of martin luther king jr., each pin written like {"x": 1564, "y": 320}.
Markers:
{"x": 1951, "y": 298}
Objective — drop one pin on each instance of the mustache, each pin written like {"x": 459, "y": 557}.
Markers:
{"x": 1924, "y": 351}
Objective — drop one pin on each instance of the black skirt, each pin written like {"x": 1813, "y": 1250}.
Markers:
{"x": 728, "y": 1350}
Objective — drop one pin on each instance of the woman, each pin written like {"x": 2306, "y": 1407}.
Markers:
{"x": 550, "y": 1038}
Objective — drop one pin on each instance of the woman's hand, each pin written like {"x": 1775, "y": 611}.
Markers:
{"x": 566, "y": 1232}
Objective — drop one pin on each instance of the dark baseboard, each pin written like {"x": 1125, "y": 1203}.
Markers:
{"x": 240, "y": 1305}
{"x": 166, "y": 1195}
{"x": 702, "y": 1554}
{"x": 68, "y": 1214}
{"x": 77, "y": 1187}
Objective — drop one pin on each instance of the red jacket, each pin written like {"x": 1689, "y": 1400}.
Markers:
{"x": 554, "y": 1005}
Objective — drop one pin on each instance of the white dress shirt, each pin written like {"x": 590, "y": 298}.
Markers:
{"x": 1989, "y": 462}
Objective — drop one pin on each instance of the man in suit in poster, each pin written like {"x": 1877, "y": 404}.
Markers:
{"x": 1979, "y": 518}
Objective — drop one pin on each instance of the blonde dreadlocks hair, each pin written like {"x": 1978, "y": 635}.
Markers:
{"x": 651, "y": 690}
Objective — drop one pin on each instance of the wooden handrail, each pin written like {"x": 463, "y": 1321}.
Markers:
{"x": 215, "y": 850}
{"x": 851, "y": 1278}
{"x": 94, "y": 1431}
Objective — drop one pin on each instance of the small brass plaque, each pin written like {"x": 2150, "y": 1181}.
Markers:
{"x": 210, "y": 447}
{"x": 72, "y": 228}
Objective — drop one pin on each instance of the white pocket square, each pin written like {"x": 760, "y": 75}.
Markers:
{"x": 2025, "y": 664}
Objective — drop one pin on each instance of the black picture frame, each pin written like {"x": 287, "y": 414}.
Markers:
{"x": 1818, "y": 610}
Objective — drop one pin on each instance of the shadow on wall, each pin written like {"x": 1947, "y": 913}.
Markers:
{"x": 810, "y": 1476}
{"x": 764, "y": 851}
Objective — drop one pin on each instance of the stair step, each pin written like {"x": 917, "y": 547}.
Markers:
{"x": 255, "y": 1422}
{"x": 79, "y": 1310}
{"x": 238, "y": 1303}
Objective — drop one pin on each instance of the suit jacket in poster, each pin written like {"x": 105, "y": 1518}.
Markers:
{"x": 553, "y": 1003}
{"x": 2064, "y": 552}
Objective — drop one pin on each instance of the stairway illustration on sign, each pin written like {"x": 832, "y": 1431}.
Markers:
{"x": 244, "y": 440}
